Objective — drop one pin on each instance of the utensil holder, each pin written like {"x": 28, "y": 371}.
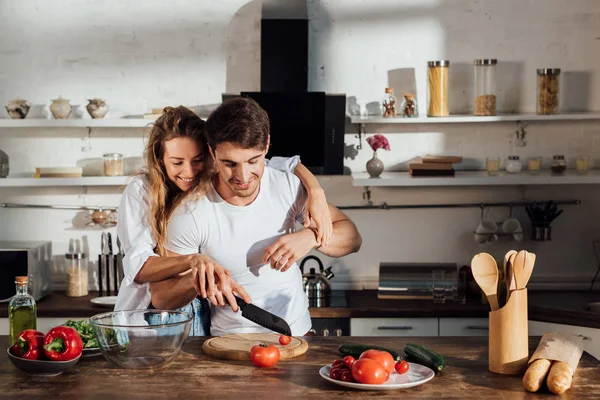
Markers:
{"x": 509, "y": 338}
{"x": 541, "y": 233}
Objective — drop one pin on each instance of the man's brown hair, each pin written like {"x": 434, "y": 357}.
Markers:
{"x": 239, "y": 120}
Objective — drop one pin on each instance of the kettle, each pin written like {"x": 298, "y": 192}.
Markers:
{"x": 316, "y": 285}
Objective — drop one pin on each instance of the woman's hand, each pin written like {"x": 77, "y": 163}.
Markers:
{"x": 317, "y": 210}
{"x": 290, "y": 248}
{"x": 213, "y": 281}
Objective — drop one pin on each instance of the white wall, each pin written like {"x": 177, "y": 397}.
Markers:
{"x": 141, "y": 55}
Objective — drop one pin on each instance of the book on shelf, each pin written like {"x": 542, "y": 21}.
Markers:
{"x": 429, "y": 166}
{"x": 429, "y": 172}
{"x": 429, "y": 158}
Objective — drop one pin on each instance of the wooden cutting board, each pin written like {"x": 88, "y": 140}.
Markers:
{"x": 237, "y": 347}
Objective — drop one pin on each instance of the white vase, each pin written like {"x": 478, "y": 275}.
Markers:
{"x": 60, "y": 108}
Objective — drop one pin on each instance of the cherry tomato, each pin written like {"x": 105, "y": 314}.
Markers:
{"x": 348, "y": 361}
{"x": 401, "y": 367}
{"x": 347, "y": 376}
{"x": 335, "y": 373}
{"x": 284, "y": 340}
{"x": 337, "y": 362}
{"x": 263, "y": 355}
{"x": 366, "y": 370}
{"x": 382, "y": 357}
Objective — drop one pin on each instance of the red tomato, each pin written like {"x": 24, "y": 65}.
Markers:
{"x": 401, "y": 367}
{"x": 335, "y": 373}
{"x": 263, "y": 355}
{"x": 347, "y": 376}
{"x": 382, "y": 357}
{"x": 348, "y": 361}
{"x": 337, "y": 362}
{"x": 284, "y": 340}
{"x": 366, "y": 370}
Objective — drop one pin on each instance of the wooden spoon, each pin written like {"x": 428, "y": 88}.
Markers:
{"x": 519, "y": 270}
{"x": 508, "y": 271}
{"x": 485, "y": 272}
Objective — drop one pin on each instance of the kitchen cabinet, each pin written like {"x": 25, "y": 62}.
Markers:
{"x": 394, "y": 327}
{"x": 43, "y": 324}
{"x": 591, "y": 336}
{"x": 464, "y": 327}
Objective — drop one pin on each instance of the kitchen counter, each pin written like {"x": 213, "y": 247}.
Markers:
{"x": 563, "y": 307}
{"x": 195, "y": 375}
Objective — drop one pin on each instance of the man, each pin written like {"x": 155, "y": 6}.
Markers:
{"x": 247, "y": 223}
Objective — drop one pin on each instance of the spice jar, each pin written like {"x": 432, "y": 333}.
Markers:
{"x": 113, "y": 164}
{"x": 492, "y": 165}
{"x": 485, "y": 87}
{"x": 409, "y": 106}
{"x": 77, "y": 275}
{"x": 548, "y": 87}
{"x": 437, "y": 73}
{"x": 582, "y": 165}
{"x": 389, "y": 103}
{"x": 559, "y": 165}
{"x": 534, "y": 165}
{"x": 513, "y": 165}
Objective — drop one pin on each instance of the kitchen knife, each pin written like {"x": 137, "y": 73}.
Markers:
{"x": 262, "y": 317}
{"x": 113, "y": 265}
{"x": 106, "y": 262}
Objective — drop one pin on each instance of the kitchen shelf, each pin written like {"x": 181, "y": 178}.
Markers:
{"x": 75, "y": 123}
{"x": 476, "y": 178}
{"x": 56, "y": 182}
{"x": 455, "y": 119}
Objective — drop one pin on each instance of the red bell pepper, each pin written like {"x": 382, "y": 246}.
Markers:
{"x": 29, "y": 344}
{"x": 62, "y": 343}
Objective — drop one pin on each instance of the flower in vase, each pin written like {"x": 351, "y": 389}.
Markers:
{"x": 378, "y": 142}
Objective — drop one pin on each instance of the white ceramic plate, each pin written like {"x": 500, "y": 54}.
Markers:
{"x": 105, "y": 301}
{"x": 415, "y": 376}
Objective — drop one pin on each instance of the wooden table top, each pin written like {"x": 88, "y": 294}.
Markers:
{"x": 195, "y": 375}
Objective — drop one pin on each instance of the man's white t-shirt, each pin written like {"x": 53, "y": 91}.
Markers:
{"x": 236, "y": 237}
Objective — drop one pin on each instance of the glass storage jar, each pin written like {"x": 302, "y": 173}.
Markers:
{"x": 548, "y": 88}
{"x": 513, "y": 165}
{"x": 484, "y": 102}
{"x": 77, "y": 274}
{"x": 409, "y": 106}
{"x": 559, "y": 165}
{"x": 389, "y": 103}
{"x": 582, "y": 165}
{"x": 534, "y": 165}
{"x": 437, "y": 73}
{"x": 492, "y": 165}
{"x": 113, "y": 164}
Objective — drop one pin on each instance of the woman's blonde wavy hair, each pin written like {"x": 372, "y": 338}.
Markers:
{"x": 164, "y": 195}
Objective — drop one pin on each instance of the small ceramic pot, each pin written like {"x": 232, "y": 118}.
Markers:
{"x": 17, "y": 109}
{"x": 374, "y": 166}
{"x": 60, "y": 108}
{"x": 97, "y": 108}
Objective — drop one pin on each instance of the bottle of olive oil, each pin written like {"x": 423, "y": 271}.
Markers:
{"x": 22, "y": 310}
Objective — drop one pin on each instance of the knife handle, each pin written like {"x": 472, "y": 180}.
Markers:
{"x": 100, "y": 291}
{"x": 240, "y": 302}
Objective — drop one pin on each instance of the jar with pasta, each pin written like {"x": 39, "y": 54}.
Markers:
{"x": 548, "y": 88}
{"x": 437, "y": 73}
{"x": 113, "y": 164}
{"x": 389, "y": 103}
{"x": 484, "y": 102}
{"x": 77, "y": 275}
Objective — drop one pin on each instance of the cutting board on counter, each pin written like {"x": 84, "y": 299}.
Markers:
{"x": 237, "y": 347}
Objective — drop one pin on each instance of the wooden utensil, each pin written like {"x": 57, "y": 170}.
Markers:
{"x": 508, "y": 271}
{"x": 485, "y": 272}
{"x": 237, "y": 347}
{"x": 527, "y": 270}
{"x": 519, "y": 271}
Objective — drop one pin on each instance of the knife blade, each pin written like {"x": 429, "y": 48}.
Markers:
{"x": 263, "y": 317}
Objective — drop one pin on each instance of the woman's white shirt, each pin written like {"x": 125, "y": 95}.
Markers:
{"x": 137, "y": 240}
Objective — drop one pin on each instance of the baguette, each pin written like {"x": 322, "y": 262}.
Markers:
{"x": 560, "y": 377}
{"x": 536, "y": 374}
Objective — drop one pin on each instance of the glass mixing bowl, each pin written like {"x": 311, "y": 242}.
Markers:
{"x": 141, "y": 339}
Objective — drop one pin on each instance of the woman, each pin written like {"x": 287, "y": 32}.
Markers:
{"x": 178, "y": 166}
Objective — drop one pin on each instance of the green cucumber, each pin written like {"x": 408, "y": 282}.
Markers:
{"x": 423, "y": 355}
{"x": 355, "y": 350}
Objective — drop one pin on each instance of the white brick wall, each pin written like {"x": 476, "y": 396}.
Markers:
{"x": 140, "y": 55}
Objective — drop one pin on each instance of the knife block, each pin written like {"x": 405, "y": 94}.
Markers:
{"x": 509, "y": 336}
